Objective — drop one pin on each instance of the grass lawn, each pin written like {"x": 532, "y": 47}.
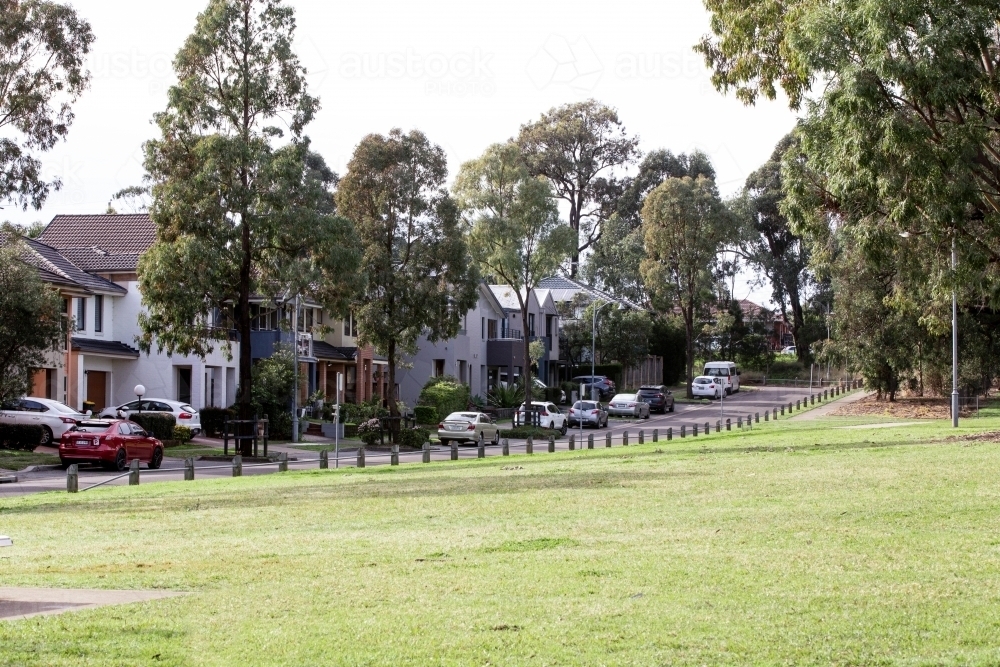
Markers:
{"x": 193, "y": 449}
{"x": 11, "y": 459}
{"x": 817, "y": 543}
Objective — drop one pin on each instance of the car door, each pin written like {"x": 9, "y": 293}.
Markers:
{"x": 141, "y": 442}
{"x": 122, "y": 437}
{"x": 33, "y": 412}
{"x": 489, "y": 428}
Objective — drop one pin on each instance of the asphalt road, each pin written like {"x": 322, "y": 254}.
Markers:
{"x": 740, "y": 404}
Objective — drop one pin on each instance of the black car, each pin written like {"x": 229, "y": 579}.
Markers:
{"x": 605, "y": 386}
{"x": 659, "y": 398}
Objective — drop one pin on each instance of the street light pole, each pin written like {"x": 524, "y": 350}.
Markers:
{"x": 954, "y": 341}
{"x": 295, "y": 357}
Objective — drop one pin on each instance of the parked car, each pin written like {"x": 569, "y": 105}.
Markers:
{"x": 660, "y": 398}
{"x": 788, "y": 350}
{"x": 549, "y": 416}
{"x": 113, "y": 443}
{"x": 182, "y": 412}
{"x": 54, "y": 417}
{"x": 468, "y": 427}
{"x": 605, "y": 385}
{"x": 591, "y": 413}
{"x": 708, "y": 387}
{"x": 726, "y": 373}
{"x": 628, "y": 405}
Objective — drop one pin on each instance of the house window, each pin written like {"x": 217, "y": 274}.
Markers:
{"x": 531, "y": 324}
{"x": 438, "y": 367}
{"x": 309, "y": 319}
{"x": 319, "y": 316}
{"x": 98, "y": 313}
{"x": 350, "y": 326}
{"x": 81, "y": 314}
{"x": 462, "y": 373}
{"x": 548, "y": 325}
{"x": 184, "y": 385}
{"x": 483, "y": 334}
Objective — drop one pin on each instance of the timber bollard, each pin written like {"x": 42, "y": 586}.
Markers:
{"x": 683, "y": 430}
{"x": 670, "y": 433}
{"x": 572, "y": 442}
{"x": 427, "y": 452}
{"x": 133, "y": 473}
{"x": 729, "y": 424}
{"x": 361, "y": 457}
{"x": 394, "y": 456}
{"x": 789, "y": 407}
{"x": 782, "y": 410}
{"x": 324, "y": 459}
{"x": 506, "y": 448}
{"x": 824, "y": 395}
{"x": 767, "y": 415}
{"x": 718, "y": 426}
{"x": 625, "y": 438}
{"x": 237, "y": 466}
{"x": 694, "y": 431}
{"x": 189, "y": 469}
{"x": 708, "y": 428}
{"x": 656, "y": 435}
{"x": 73, "y": 479}
{"x": 798, "y": 405}
{"x": 607, "y": 439}
{"x": 480, "y": 449}
{"x": 590, "y": 441}
{"x": 812, "y": 399}
{"x": 756, "y": 417}
{"x": 552, "y": 444}
{"x": 775, "y": 414}
{"x": 283, "y": 462}
{"x": 454, "y": 451}
{"x": 529, "y": 446}
{"x": 739, "y": 422}
{"x": 642, "y": 436}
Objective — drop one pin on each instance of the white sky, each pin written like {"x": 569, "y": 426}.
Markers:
{"x": 465, "y": 73}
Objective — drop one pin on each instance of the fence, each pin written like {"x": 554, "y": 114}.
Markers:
{"x": 739, "y": 422}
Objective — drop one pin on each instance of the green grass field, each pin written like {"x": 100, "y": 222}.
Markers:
{"x": 13, "y": 459}
{"x": 799, "y": 543}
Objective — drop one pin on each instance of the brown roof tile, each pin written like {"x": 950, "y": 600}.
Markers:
{"x": 101, "y": 242}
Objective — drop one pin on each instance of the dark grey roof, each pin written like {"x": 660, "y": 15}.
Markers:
{"x": 50, "y": 262}
{"x": 323, "y": 350}
{"x": 106, "y": 347}
{"x": 96, "y": 259}
{"x": 561, "y": 287}
{"x": 111, "y": 242}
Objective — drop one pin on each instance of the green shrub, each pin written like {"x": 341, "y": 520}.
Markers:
{"x": 509, "y": 396}
{"x": 160, "y": 425}
{"x": 20, "y": 436}
{"x": 613, "y": 371}
{"x": 213, "y": 420}
{"x": 425, "y": 414}
{"x": 351, "y": 413}
{"x": 413, "y": 437}
{"x": 350, "y": 430}
{"x": 182, "y": 434}
{"x": 279, "y": 425}
{"x": 446, "y": 394}
{"x": 522, "y": 432}
{"x": 554, "y": 395}
{"x": 569, "y": 388}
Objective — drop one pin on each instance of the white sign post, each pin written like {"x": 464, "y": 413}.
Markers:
{"x": 336, "y": 422}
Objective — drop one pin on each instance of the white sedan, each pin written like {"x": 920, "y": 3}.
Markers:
{"x": 182, "y": 412}
{"x": 468, "y": 426}
{"x": 628, "y": 405}
{"x": 707, "y": 387}
{"x": 54, "y": 417}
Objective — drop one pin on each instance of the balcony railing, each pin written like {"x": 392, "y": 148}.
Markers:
{"x": 507, "y": 334}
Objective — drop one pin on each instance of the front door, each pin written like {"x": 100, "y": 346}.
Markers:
{"x": 97, "y": 389}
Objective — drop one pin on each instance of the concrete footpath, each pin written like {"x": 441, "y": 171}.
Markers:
{"x": 831, "y": 407}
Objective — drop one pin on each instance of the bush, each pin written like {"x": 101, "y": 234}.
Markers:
{"x": 613, "y": 371}
{"x": 554, "y": 395}
{"x": 370, "y": 431}
{"x": 569, "y": 388}
{"x": 413, "y": 437}
{"x": 214, "y": 419}
{"x": 350, "y": 430}
{"x": 279, "y": 425}
{"x": 425, "y": 414}
{"x": 351, "y": 413}
{"x": 160, "y": 425}
{"x": 522, "y": 432}
{"x": 446, "y": 394}
{"x": 182, "y": 434}
{"x": 510, "y": 396}
{"x": 20, "y": 436}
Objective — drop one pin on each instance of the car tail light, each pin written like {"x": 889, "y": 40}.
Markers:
{"x": 440, "y": 426}
{"x": 67, "y": 420}
{"x": 472, "y": 427}
{"x": 593, "y": 412}
{"x": 660, "y": 396}
{"x": 184, "y": 415}
{"x": 631, "y": 405}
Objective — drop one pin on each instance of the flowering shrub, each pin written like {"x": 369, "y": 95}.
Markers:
{"x": 369, "y": 431}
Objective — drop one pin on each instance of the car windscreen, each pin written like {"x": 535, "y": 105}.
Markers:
{"x": 91, "y": 427}
{"x": 649, "y": 392}
{"x": 461, "y": 417}
{"x": 624, "y": 397}
{"x": 188, "y": 408}
{"x": 717, "y": 372}
{"x": 703, "y": 381}
{"x": 59, "y": 407}
{"x": 585, "y": 405}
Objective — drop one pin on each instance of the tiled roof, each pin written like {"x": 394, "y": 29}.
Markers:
{"x": 323, "y": 350}
{"x": 563, "y": 289}
{"x": 106, "y": 347}
{"x": 51, "y": 262}
{"x": 507, "y": 297}
{"x": 123, "y": 237}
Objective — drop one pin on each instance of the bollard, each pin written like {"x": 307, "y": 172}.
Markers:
{"x": 694, "y": 431}
{"x": 739, "y": 422}
{"x": 798, "y": 405}
{"x": 480, "y": 449}
{"x": 708, "y": 428}
{"x": 625, "y": 439}
{"x": 775, "y": 414}
{"x": 552, "y": 444}
{"x": 670, "y": 433}
{"x": 656, "y": 435}
{"x": 789, "y": 407}
{"x": 361, "y": 457}
{"x": 454, "y": 451}
{"x": 189, "y": 469}
{"x": 572, "y": 442}
{"x": 718, "y": 426}
{"x": 506, "y": 448}
{"x": 767, "y": 415}
{"x": 590, "y": 441}
{"x": 394, "y": 456}
{"x": 824, "y": 394}
{"x": 812, "y": 399}
{"x": 782, "y": 410}
{"x": 283, "y": 462}
{"x": 729, "y": 425}
{"x": 607, "y": 439}
{"x": 73, "y": 479}
{"x": 756, "y": 417}
{"x": 427, "y": 452}
{"x": 324, "y": 459}
{"x": 237, "y": 466}
{"x": 683, "y": 431}
{"x": 642, "y": 436}
{"x": 750, "y": 421}
{"x": 529, "y": 447}
{"x": 133, "y": 473}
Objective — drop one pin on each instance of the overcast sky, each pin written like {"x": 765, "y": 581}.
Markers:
{"x": 465, "y": 73}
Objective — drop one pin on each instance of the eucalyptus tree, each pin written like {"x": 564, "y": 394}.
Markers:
{"x": 419, "y": 277}
{"x": 236, "y": 208}
{"x": 514, "y": 230}
{"x": 581, "y": 148}
{"x": 43, "y": 51}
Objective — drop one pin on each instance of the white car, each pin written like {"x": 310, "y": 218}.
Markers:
{"x": 54, "y": 417}
{"x": 182, "y": 412}
{"x": 788, "y": 350}
{"x": 707, "y": 387}
{"x": 549, "y": 416}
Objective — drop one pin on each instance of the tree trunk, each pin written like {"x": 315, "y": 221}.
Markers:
{"x": 689, "y": 351}
{"x": 391, "y": 397}
{"x": 246, "y": 357}
{"x": 797, "y": 323}
{"x": 526, "y": 344}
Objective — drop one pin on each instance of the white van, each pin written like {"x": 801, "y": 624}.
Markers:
{"x": 727, "y": 372}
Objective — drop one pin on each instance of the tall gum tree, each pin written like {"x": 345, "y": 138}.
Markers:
{"x": 236, "y": 208}
{"x": 420, "y": 280}
{"x": 514, "y": 230}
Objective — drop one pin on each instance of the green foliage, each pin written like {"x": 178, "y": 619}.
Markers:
{"x": 20, "y": 436}
{"x": 445, "y": 394}
{"x": 613, "y": 371}
{"x": 554, "y": 395}
{"x": 279, "y": 424}
{"x": 239, "y": 209}
{"x": 160, "y": 425}
{"x": 182, "y": 434}
{"x": 31, "y": 319}
{"x": 414, "y": 437}
{"x": 420, "y": 280}
{"x": 425, "y": 414}
{"x": 213, "y": 420}
{"x": 623, "y": 336}
{"x": 506, "y": 396}
{"x": 273, "y": 382}
{"x": 522, "y": 432}
{"x": 351, "y": 413}
{"x": 667, "y": 340}
{"x": 43, "y": 65}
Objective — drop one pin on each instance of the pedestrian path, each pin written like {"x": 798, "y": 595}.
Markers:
{"x": 831, "y": 407}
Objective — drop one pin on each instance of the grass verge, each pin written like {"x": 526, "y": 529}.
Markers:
{"x": 12, "y": 459}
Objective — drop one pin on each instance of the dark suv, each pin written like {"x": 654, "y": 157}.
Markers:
{"x": 659, "y": 398}
{"x": 605, "y": 386}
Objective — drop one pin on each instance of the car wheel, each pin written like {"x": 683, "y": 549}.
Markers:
{"x": 157, "y": 459}
{"x": 496, "y": 438}
{"x": 671, "y": 407}
{"x": 121, "y": 461}
{"x": 64, "y": 464}
{"x": 564, "y": 429}
{"x": 46, "y": 436}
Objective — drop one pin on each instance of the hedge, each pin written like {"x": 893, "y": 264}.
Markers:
{"x": 446, "y": 394}
{"x": 182, "y": 434}
{"x": 425, "y": 414}
{"x": 522, "y": 432}
{"x": 414, "y": 437}
{"x": 160, "y": 425}
{"x": 20, "y": 436}
{"x": 214, "y": 419}
{"x": 554, "y": 395}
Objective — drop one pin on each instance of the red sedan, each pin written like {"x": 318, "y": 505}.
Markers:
{"x": 114, "y": 443}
